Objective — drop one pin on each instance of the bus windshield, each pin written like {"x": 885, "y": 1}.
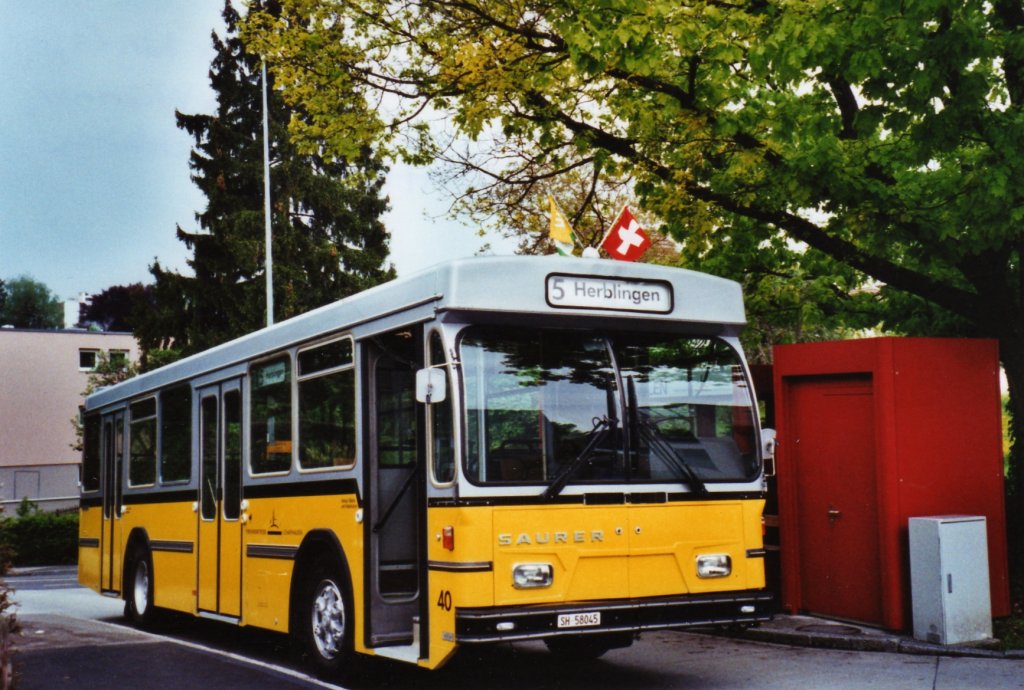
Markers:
{"x": 559, "y": 406}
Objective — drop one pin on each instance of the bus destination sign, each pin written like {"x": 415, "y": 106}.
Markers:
{"x": 565, "y": 291}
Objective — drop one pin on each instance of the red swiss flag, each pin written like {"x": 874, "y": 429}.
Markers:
{"x": 626, "y": 241}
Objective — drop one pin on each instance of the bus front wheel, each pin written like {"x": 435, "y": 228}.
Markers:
{"x": 326, "y": 622}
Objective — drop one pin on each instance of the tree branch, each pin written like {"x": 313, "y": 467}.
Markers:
{"x": 847, "y": 103}
{"x": 954, "y": 299}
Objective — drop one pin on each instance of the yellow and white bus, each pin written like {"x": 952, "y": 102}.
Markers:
{"x": 500, "y": 448}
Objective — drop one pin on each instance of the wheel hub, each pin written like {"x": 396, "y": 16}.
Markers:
{"x": 140, "y": 589}
{"x": 328, "y": 619}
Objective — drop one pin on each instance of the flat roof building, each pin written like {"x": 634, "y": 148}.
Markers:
{"x": 43, "y": 374}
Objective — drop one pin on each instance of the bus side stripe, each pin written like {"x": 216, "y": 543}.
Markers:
{"x": 463, "y": 567}
{"x": 170, "y": 545}
{"x": 178, "y": 496}
{"x": 276, "y": 490}
{"x": 271, "y": 551}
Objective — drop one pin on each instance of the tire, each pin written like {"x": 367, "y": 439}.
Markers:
{"x": 324, "y": 620}
{"x": 587, "y": 647}
{"x": 138, "y": 605}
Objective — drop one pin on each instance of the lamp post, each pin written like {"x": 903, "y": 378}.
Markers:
{"x": 266, "y": 200}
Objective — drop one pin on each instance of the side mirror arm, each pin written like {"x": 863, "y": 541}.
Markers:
{"x": 769, "y": 443}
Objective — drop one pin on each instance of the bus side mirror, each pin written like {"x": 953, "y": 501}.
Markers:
{"x": 768, "y": 445}
{"x": 431, "y": 385}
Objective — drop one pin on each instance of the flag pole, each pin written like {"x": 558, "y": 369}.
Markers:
{"x": 266, "y": 199}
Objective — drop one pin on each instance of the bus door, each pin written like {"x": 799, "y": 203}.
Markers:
{"x": 112, "y": 453}
{"x": 395, "y": 485}
{"x": 219, "y": 576}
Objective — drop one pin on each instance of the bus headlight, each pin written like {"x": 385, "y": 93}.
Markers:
{"x": 714, "y": 565}
{"x": 532, "y": 575}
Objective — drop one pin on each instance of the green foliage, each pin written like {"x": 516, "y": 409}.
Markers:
{"x": 790, "y": 294}
{"x": 1010, "y": 631}
{"x": 118, "y": 307}
{"x": 109, "y": 371}
{"x": 156, "y": 358}
{"x": 9, "y": 625}
{"x": 847, "y": 153}
{"x": 1015, "y": 515}
{"x": 30, "y": 304}
{"x": 328, "y": 240}
{"x": 26, "y": 507}
{"x": 36, "y": 537}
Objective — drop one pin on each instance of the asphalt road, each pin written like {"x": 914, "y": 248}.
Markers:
{"x": 73, "y": 638}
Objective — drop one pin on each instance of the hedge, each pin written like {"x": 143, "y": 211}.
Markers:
{"x": 39, "y": 538}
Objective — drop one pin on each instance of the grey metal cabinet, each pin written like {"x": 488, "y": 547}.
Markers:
{"x": 949, "y": 579}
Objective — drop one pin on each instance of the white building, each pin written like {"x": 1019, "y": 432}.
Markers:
{"x": 43, "y": 374}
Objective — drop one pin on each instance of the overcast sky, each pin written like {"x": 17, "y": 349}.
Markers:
{"x": 93, "y": 172}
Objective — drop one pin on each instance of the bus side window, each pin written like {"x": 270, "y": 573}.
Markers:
{"x": 176, "y": 434}
{"x": 142, "y": 443}
{"x": 327, "y": 395}
{"x": 271, "y": 416}
{"x": 91, "y": 454}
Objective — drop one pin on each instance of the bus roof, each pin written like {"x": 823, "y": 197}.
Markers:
{"x": 501, "y": 284}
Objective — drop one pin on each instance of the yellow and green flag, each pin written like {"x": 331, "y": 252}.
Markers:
{"x": 561, "y": 232}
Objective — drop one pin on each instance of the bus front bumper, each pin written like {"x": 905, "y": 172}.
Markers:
{"x": 505, "y": 623}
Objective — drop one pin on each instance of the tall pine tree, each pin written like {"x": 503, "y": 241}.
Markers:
{"x": 328, "y": 239}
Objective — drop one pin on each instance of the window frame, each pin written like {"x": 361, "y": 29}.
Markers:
{"x": 185, "y": 386}
{"x": 93, "y": 420}
{"x": 95, "y": 352}
{"x": 249, "y": 420}
{"x": 154, "y": 417}
{"x": 611, "y": 335}
{"x": 452, "y": 411}
{"x": 297, "y": 408}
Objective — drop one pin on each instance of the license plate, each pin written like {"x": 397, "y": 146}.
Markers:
{"x": 579, "y": 620}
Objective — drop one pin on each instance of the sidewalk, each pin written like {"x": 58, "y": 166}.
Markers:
{"x": 811, "y": 631}
{"x": 42, "y": 570}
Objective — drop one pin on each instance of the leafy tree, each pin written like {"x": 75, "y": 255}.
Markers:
{"x": 590, "y": 198}
{"x": 790, "y": 295}
{"x": 874, "y": 140}
{"x": 30, "y": 304}
{"x": 3, "y": 295}
{"x": 328, "y": 240}
{"x": 115, "y": 308}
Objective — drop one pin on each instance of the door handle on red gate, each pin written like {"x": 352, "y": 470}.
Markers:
{"x": 833, "y": 514}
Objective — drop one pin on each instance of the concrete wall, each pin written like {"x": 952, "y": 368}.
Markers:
{"x": 51, "y": 487}
{"x": 41, "y": 388}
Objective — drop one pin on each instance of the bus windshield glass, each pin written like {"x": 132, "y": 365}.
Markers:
{"x": 560, "y": 406}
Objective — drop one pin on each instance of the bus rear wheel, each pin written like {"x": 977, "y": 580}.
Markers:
{"x": 325, "y": 623}
{"x": 138, "y": 605}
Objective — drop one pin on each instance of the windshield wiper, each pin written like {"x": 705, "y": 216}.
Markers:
{"x": 656, "y": 441}
{"x": 646, "y": 429}
{"x": 602, "y": 428}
